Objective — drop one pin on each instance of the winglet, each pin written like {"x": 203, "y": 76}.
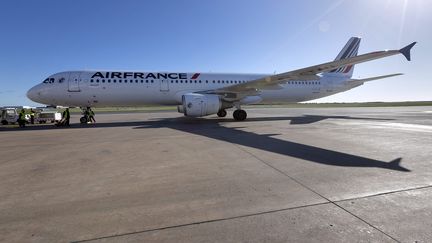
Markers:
{"x": 406, "y": 51}
{"x": 395, "y": 165}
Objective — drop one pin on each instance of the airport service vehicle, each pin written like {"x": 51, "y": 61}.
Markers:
{"x": 202, "y": 94}
{"x": 48, "y": 116}
{"x": 9, "y": 115}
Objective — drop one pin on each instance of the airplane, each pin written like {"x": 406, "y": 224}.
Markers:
{"x": 201, "y": 94}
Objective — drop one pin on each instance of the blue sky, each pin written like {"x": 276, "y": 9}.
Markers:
{"x": 39, "y": 38}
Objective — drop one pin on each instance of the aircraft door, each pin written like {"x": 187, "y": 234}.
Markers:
{"x": 74, "y": 80}
{"x": 164, "y": 86}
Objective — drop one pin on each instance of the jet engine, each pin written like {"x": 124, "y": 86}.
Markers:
{"x": 197, "y": 105}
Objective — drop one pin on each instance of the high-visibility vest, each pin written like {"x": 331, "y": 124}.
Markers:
{"x": 21, "y": 116}
{"x": 66, "y": 114}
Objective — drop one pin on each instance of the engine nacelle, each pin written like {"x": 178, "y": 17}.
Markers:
{"x": 197, "y": 105}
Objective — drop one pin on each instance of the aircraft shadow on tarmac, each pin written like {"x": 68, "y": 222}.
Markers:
{"x": 213, "y": 128}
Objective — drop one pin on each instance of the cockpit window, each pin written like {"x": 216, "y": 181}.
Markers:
{"x": 49, "y": 81}
{"x": 61, "y": 80}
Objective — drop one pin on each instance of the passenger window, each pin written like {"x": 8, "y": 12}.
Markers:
{"x": 91, "y": 80}
{"x": 152, "y": 81}
{"x": 97, "y": 80}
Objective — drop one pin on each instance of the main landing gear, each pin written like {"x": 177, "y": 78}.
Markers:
{"x": 240, "y": 115}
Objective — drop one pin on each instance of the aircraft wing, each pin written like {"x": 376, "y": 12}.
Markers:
{"x": 303, "y": 74}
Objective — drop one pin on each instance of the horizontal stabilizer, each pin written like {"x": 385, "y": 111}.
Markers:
{"x": 375, "y": 78}
{"x": 406, "y": 51}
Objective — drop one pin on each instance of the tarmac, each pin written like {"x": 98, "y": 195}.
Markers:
{"x": 283, "y": 175}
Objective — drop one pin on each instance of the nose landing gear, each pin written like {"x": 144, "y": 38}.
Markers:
{"x": 88, "y": 115}
{"x": 83, "y": 120}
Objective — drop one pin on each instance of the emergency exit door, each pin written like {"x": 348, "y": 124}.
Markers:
{"x": 74, "y": 80}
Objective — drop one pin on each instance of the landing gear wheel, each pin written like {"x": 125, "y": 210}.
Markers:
{"x": 240, "y": 115}
{"x": 4, "y": 122}
{"x": 83, "y": 120}
{"x": 222, "y": 113}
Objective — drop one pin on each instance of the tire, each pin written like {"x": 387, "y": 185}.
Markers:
{"x": 235, "y": 115}
{"x": 4, "y": 122}
{"x": 222, "y": 113}
{"x": 240, "y": 115}
{"x": 83, "y": 120}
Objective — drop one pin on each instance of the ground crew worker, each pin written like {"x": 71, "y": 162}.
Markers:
{"x": 87, "y": 114}
{"x": 91, "y": 115}
{"x": 32, "y": 116}
{"x": 21, "y": 118}
{"x": 66, "y": 117}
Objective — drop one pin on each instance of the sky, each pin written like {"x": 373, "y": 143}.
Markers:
{"x": 39, "y": 38}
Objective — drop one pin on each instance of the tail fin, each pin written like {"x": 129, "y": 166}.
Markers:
{"x": 350, "y": 50}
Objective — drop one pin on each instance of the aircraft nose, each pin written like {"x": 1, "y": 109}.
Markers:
{"x": 32, "y": 93}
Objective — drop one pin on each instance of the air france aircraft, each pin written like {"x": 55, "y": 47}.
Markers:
{"x": 202, "y": 94}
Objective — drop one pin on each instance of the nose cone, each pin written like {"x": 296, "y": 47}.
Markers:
{"x": 33, "y": 95}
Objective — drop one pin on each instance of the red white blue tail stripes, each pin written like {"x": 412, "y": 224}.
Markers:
{"x": 350, "y": 50}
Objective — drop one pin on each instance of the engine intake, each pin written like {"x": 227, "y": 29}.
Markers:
{"x": 197, "y": 105}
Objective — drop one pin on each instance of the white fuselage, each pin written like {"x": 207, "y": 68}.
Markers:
{"x": 110, "y": 88}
